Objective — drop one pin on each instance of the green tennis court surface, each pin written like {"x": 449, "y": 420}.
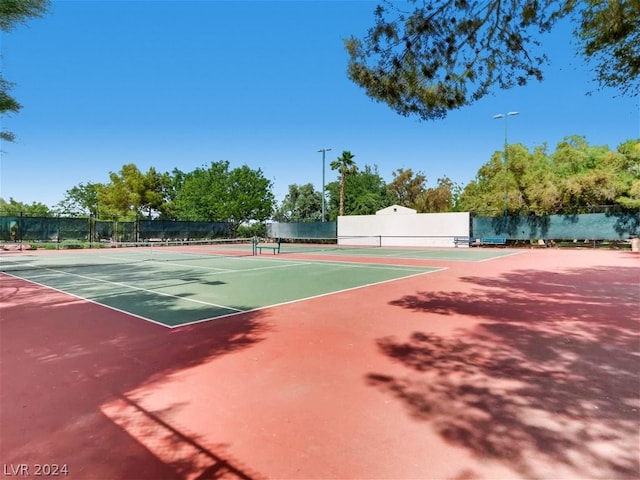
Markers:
{"x": 174, "y": 289}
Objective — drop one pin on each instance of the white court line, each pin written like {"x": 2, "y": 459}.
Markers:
{"x": 293, "y": 263}
{"x": 413, "y": 255}
{"x": 202, "y": 267}
{"x": 308, "y": 298}
{"x": 283, "y": 263}
{"x": 168, "y": 262}
{"x": 428, "y": 255}
{"x": 503, "y": 256}
{"x": 383, "y": 266}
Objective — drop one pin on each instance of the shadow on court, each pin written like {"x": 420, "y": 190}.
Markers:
{"x": 63, "y": 359}
{"x": 547, "y": 381}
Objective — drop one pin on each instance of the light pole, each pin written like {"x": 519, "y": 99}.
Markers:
{"x": 323, "y": 150}
{"x": 506, "y": 158}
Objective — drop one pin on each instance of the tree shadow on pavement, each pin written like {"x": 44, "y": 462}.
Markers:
{"x": 63, "y": 359}
{"x": 546, "y": 381}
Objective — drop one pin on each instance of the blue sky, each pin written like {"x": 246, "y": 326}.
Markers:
{"x": 183, "y": 83}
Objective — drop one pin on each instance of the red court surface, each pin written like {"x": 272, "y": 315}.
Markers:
{"x": 520, "y": 367}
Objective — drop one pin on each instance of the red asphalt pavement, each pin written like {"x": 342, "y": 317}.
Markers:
{"x": 519, "y": 367}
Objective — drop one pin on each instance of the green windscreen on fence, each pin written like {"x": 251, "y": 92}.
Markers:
{"x": 182, "y": 230}
{"x": 588, "y": 226}
{"x": 302, "y": 230}
{"x": 78, "y": 229}
{"x": 44, "y": 229}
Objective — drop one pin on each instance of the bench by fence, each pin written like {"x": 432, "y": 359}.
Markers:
{"x": 493, "y": 241}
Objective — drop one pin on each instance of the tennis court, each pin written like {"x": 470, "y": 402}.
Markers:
{"x": 181, "y": 284}
{"x": 335, "y": 363}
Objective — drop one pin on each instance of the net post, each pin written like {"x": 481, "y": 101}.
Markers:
{"x": 20, "y": 229}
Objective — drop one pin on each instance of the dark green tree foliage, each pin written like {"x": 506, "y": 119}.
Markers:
{"x": 365, "y": 193}
{"x": 428, "y": 58}
{"x": 13, "y": 12}
{"x": 629, "y": 175}
{"x": 218, "y": 194}
{"x": 7, "y": 102}
{"x": 13, "y": 208}
{"x": 155, "y": 191}
{"x": 301, "y": 204}
{"x": 249, "y": 197}
{"x": 175, "y": 181}
{"x": 80, "y": 200}
{"x": 202, "y": 193}
{"x": 610, "y": 40}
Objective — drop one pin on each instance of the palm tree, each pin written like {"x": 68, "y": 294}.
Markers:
{"x": 345, "y": 164}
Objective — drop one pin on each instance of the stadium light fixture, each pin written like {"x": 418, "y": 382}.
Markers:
{"x": 323, "y": 150}
{"x": 506, "y": 158}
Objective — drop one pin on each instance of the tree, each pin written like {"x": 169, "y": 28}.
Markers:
{"x": 122, "y": 196}
{"x": 80, "y": 200}
{"x": 574, "y": 179}
{"x": 7, "y": 104}
{"x": 14, "y": 12}
{"x": 249, "y": 198}
{"x": 13, "y": 208}
{"x": 132, "y": 193}
{"x": 346, "y": 166}
{"x": 405, "y": 188}
{"x": 155, "y": 192}
{"x": 629, "y": 175}
{"x": 175, "y": 181}
{"x": 301, "y": 204}
{"x": 610, "y": 39}
{"x": 447, "y": 54}
{"x": 365, "y": 193}
{"x": 438, "y": 199}
{"x": 202, "y": 194}
{"x": 218, "y": 194}
{"x": 540, "y": 186}
{"x": 587, "y": 175}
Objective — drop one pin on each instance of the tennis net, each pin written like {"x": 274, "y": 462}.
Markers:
{"x": 314, "y": 244}
{"x": 14, "y": 259}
